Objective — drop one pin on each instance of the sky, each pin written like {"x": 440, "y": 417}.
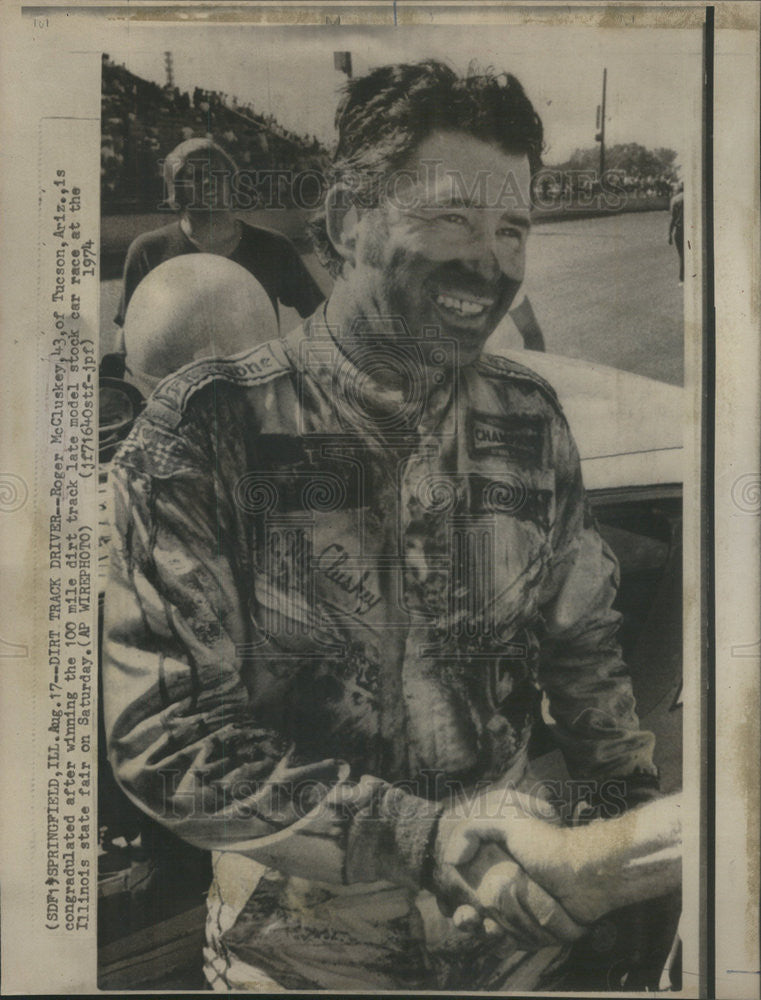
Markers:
{"x": 653, "y": 75}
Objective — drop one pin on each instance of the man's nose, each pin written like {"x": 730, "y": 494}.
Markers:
{"x": 486, "y": 266}
{"x": 483, "y": 261}
{"x": 484, "y": 258}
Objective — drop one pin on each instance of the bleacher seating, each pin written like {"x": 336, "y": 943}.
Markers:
{"x": 142, "y": 122}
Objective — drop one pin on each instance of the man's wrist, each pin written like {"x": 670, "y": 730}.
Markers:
{"x": 393, "y": 840}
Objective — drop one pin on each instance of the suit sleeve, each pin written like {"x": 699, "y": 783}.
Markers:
{"x": 184, "y": 739}
{"x": 582, "y": 668}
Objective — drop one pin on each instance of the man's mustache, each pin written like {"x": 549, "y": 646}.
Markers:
{"x": 468, "y": 283}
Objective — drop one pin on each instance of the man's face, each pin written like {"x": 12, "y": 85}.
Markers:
{"x": 446, "y": 248}
{"x": 210, "y": 177}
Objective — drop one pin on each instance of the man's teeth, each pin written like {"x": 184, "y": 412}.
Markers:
{"x": 465, "y": 307}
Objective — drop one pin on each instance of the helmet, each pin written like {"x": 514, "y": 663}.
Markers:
{"x": 199, "y": 305}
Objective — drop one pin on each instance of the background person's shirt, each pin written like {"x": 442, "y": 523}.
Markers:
{"x": 269, "y": 256}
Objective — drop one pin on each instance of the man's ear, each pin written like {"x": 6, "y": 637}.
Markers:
{"x": 342, "y": 221}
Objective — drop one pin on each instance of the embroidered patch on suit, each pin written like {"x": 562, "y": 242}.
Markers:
{"x": 519, "y": 437}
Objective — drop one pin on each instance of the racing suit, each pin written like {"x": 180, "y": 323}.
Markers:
{"x": 330, "y": 603}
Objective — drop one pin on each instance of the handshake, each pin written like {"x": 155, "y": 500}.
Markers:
{"x": 503, "y": 865}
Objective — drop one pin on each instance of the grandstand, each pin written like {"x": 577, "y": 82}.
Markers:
{"x": 141, "y": 122}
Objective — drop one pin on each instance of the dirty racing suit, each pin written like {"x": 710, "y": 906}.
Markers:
{"x": 331, "y": 603}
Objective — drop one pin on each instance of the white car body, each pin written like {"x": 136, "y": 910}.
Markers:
{"x": 628, "y": 428}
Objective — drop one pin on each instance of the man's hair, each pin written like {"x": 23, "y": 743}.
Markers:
{"x": 384, "y": 116}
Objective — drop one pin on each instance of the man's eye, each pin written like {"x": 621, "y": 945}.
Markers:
{"x": 458, "y": 220}
{"x": 510, "y": 232}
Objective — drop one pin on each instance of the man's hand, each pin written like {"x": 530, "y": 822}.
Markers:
{"x": 477, "y": 880}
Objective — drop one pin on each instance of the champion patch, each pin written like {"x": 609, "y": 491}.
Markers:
{"x": 516, "y": 436}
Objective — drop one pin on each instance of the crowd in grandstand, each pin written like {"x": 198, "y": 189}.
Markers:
{"x": 142, "y": 122}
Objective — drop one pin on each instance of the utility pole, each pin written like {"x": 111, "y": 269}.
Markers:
{"x": 169, "y": 67}
{"x": 600, "y": 136}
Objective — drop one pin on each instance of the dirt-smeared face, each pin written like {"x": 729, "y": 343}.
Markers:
{"x": 446, "y": 247}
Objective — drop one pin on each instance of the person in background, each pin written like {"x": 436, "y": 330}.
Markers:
{"x": 676, "y": 227}
{"x": 198, "y": 178}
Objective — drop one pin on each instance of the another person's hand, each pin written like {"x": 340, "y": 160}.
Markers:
{"x": 586, "y": 871}
{"x": 483, "y": 886}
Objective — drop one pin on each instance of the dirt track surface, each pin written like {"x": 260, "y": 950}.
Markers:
{"x": 607, "y": 290}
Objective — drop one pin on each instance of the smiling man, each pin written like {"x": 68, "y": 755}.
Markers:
{"x": 445, "y": 248}
{"x": 349, "y": 564}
